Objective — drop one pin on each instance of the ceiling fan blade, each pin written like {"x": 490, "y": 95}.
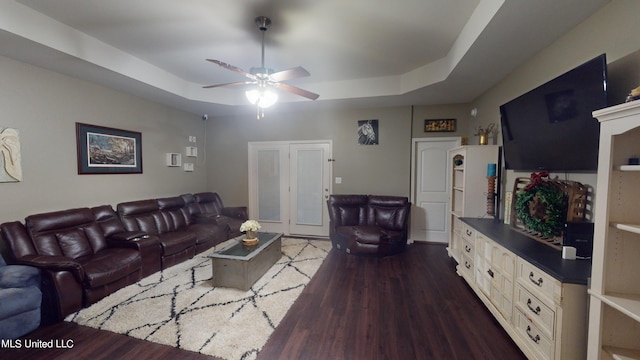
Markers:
{"x": 233, "y": 68}
{"x": 230, "y": 84}
{"x": 288, "y": 74}
{"x": 297, "y": 91}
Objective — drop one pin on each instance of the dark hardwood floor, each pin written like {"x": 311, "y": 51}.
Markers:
{"x": 409, "y": 306}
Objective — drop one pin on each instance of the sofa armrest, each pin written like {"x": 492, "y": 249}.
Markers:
{"x": 238, "y": 212}
{"x": 54, "y": 263}
{"x": 128, "y": 236}
{"x": 206, "y": 218}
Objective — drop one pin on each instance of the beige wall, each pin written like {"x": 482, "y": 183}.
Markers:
{"x": 372, "y": 169}
{"x": 44, "y": 106}
{"x": 607, "y": 31}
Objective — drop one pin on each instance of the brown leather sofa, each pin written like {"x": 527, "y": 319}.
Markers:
{"x": 88, "y": 253}
{"x": 175, "y": 211}
{"x": 149, "y": 246}
{"x": 207, "y": 208}
{"x": 369, "y": 225}
{"x": 80, "y": 263}
{"x": 177, "y": 244}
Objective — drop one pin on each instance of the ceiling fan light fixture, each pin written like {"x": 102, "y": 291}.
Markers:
{"x": 263, "y": 97}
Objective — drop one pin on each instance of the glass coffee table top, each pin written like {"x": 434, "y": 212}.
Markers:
{"x": 239, "y": 250}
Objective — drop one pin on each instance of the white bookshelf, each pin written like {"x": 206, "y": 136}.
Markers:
{"x": 614, "y": 318}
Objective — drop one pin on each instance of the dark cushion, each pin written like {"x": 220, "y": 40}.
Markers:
{"x": 176, "y": 241}
{"x": 17, "y": 276}
{"x": 109, "y": 265}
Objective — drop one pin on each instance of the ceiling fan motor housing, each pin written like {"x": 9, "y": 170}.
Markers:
{"x": 263, "y": 23}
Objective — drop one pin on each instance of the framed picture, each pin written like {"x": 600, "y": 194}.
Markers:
{"x": 440, "y": 125}
{"x": 368, "y": 132}
{"x": 103, "y": 150}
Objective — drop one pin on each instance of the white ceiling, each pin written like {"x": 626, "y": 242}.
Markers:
{"x": 359, "y": 52}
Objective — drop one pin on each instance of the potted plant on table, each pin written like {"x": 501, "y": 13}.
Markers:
{"x": 250, "y": 227}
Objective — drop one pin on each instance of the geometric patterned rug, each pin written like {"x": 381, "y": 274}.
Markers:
{"x": 180, "y": 307}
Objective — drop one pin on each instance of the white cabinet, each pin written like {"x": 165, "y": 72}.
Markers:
{"x": 614, "y": 318}
{"x": 550, "y": 316}
{"x": 468, "y": 196}
{"x": 494, "y": 276}
{"x": 546, "y": 317}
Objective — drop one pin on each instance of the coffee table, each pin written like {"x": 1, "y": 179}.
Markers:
{"x": 240, "y": 266}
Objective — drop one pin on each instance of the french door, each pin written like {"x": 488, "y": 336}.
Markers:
{"x": 289, "y": 183}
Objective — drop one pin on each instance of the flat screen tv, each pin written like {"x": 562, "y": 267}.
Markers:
{"x": 551, "y": 127}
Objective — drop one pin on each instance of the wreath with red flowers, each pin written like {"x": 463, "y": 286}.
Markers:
{"x": 541, "y": 207}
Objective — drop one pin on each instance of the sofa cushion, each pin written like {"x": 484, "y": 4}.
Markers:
{"x": 176, "y": 241}
{"x": 17, "y": 276}
{"x": 72, "y": 226}
{"x": 19, "y": 300}
{"x": 109, "y": 265}
{"x": 73, "y": 243}
{"x": 369, "y": 234}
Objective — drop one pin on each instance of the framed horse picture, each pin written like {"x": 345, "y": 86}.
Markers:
{"x": 368, "y": 132}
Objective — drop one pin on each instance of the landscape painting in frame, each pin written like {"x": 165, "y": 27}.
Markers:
{"x": 104, "y": 150}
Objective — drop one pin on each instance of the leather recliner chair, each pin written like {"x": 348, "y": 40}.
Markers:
{"x": 368, "y": 224}
{"x": 79, "y": 264}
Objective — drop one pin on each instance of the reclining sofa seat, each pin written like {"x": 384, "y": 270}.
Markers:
{"x": 175, "y": 210}
{"x": 79, "y": 264}
{"x": 207, "y": 208}
{"x": 369, "y": 224}
{"x": 20, "y": 300}
{"x": 176, "y": 242}
{"x": 148, "y": 245}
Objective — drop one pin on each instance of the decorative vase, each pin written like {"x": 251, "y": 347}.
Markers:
{"x": 250, "y": 238}
{"x": 484, "y": 139}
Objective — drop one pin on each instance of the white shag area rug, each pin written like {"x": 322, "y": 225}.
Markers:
{"x": 180, "y": 307}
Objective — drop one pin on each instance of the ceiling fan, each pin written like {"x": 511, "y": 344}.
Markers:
{"x": 266, "y": 79}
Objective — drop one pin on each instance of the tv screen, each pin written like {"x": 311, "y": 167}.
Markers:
{"x": 551, "y": 127}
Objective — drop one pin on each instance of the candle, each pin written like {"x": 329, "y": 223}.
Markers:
{"x": 491, "y": 169}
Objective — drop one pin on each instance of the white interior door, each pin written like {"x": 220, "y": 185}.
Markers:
{"x": 289, "y": 183}
{"x": 430, "y": 189}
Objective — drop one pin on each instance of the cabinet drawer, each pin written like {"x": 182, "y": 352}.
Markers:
{"x": 468, "y": 248}
{"x": 467, "y": 265}
{"x": 468, "y": 232}
{"x": 533, "y": 336}
{"x": 537, "y": 281}
{"x": 535, "y": 309}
